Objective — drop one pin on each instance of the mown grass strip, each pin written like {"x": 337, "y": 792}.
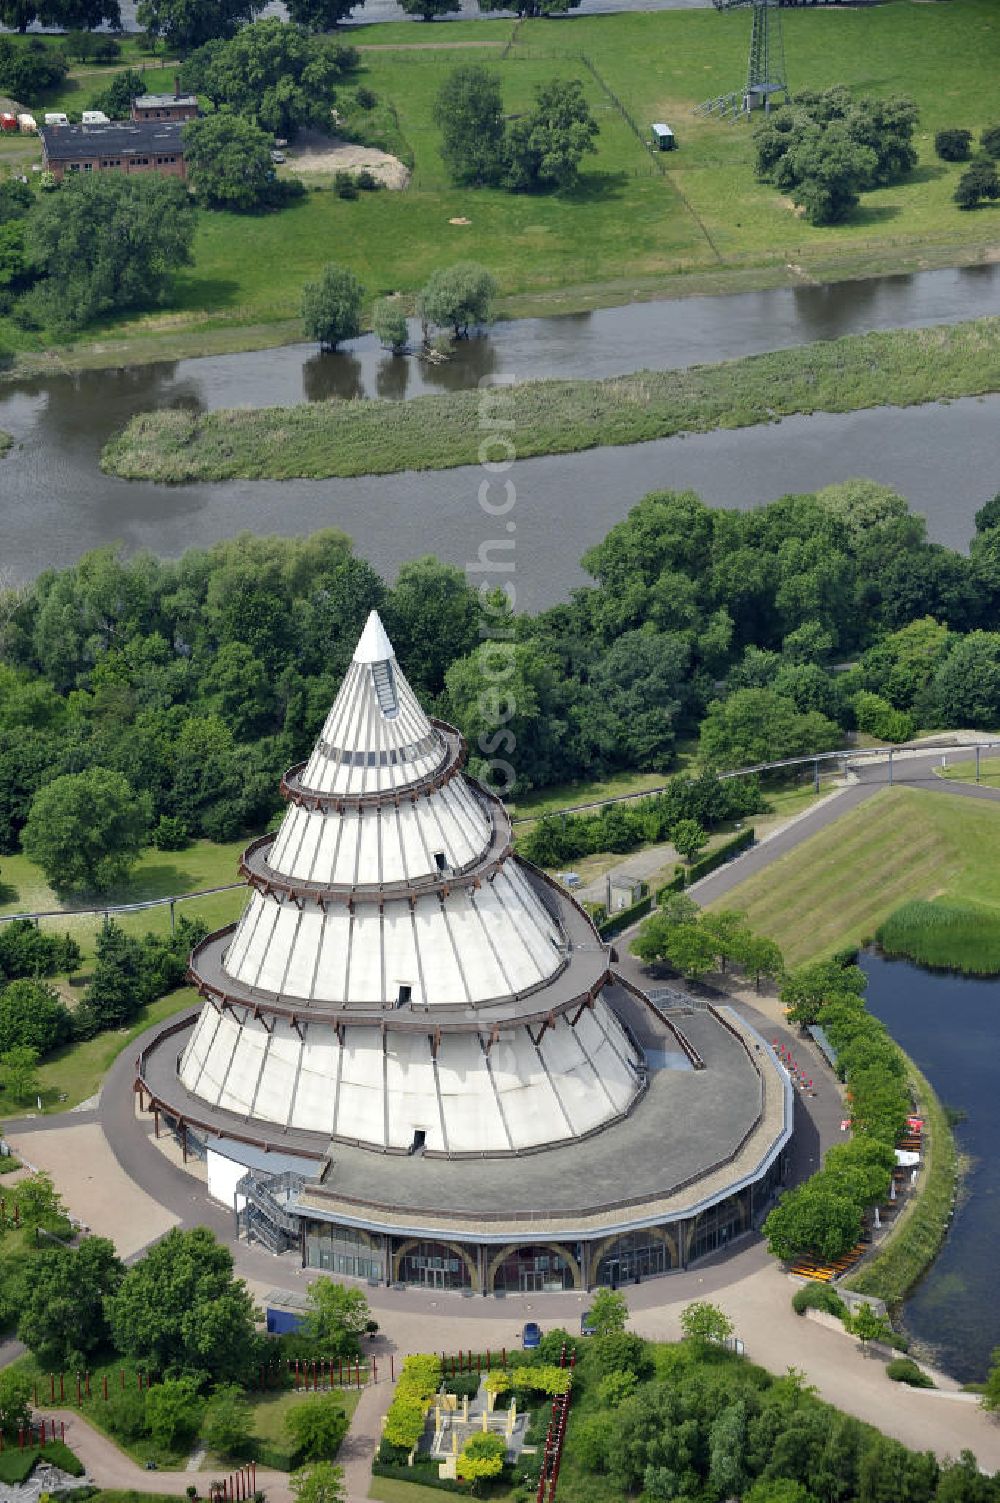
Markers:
{"x": 6, "y": 442}
{"x": 915, "y": 1239}
{"x": 319, "y": 440}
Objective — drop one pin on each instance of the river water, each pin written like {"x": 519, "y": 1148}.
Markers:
{"x": 55, "y": 504}
{"x": 950, "y": 1025}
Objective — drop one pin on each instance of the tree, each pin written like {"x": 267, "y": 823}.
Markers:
{"x": 953, "y": 145}
{"x": 688, "y": 838}
{"x": 608, "y": 1312}
{"x": 760, "y": 957}
{"x": 978, "y": 184}
{"x": 989, "y": 140}
{"x": 482, "y": 1457}
{"x": 317, "y": 1426}
{"x": 389, "y": 323}
{"x": 690, "y": 951}
{"x": 228, "y": 1421}
{"x": 28, "y": 71}
{"x": 965, "y": 689}
{"x": 86, "y": 829}
{"x": 274, "y": 72}
{"x": 105, "y": 243}
{"x": 31, "y": 1013}
{"x": 546, "y": 146}
{"x": 807, "y": 989}
{"x": 336, "y": 1317}
{"x": 62, "y": 1317}
{"x": 320, "y": 15}
{"x": 180, "y": 1309}
{"x": 185, "y": 24}
{"x": 228, "y": 161}
{"x": 15, "y": 1401}
{"x": 115, "y": 99}
{"x": 40, "y": 1203}
{"x": 458, "y": 296}
{"x": 757, "y": 725}
{"x": 812, "y": 1218}
{"x": 468, "y": 111}
{"x": 823, "y": 173}
{"x": 18, "y": 1071}
{"x": 867, "y": 1325}
{"x": 705, "y": 1324}
{"x": 173, "y": 1411}
{"x": 322, "y": 1482}
{"x": 331, "y": 307}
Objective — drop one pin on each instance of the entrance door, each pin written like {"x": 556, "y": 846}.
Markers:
{"x": 530, "y": 1280}
{"x": 433, "y": 1278}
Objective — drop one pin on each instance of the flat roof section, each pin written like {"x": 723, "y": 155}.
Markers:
{"x": 693, "y": 1137}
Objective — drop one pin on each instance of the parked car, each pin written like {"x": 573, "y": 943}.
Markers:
{"x": 531, "y": 1336}
{"x": 587, "y": 1327}
{"x": 277, "y": 156}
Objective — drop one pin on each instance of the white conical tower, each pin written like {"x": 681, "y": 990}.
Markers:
{"x": 397, "y": 971}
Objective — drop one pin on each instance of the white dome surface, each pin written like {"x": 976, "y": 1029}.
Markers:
{"x": 372, "y": 990}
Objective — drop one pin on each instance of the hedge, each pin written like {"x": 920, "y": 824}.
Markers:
{"x": 278, "y": 1458}
{"x": 418, "y": 1383}
{"x": 722, "y": 853}
{"x": 16, "y": 1465}
{"x": 625, "y": 917}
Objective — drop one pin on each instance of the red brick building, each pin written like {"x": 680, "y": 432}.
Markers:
{"x": 128, "y": 146}
{"x": 176, "y": 106}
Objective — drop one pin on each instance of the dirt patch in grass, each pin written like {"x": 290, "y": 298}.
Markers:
{"x": 329, "y": 154}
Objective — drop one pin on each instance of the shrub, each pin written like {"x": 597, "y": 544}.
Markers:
{"x": 815, "y": 1296}
{"x": 404, "y": 1423}
{"x": 953, "y": 145}
{"x": 367, "y": 98}
{"x": 877, "y": 717}
{"x": 367, "y": 181}
{"x": 905, "y": 1370}
{"x": 977, "y": 184}
{"x": 989, "y": 140}
{"x": 170, "y": 833}
{"x": 344, "y": 185}
{"x": 317, "y": 1426}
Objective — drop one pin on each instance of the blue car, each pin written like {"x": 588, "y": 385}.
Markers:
{"x": 531, "y": 1336}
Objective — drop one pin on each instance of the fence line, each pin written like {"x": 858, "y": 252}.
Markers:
{"x": 843, "y": 754}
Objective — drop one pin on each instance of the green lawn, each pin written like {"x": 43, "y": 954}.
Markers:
{"x": 628, "y": 230}
{"x": 157, "y": 874}
{"x": 965, "y": 772}
{"x": 74, "y": 1073}
{"x": 391, "y": 1490}
{"x": 903, "y": 843}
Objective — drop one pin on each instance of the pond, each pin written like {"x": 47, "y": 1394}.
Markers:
{"x": 950, "y": 1026}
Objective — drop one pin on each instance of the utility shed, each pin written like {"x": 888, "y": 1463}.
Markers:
{"x": 663, "y": 137}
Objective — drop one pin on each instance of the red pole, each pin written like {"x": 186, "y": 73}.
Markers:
{"x": 340, "y": 1378}
{"x": 479, "y": 1363}
{"x": 358, "y": 1369}
{"x": 105, "y": 1388}
{"x": 374, "y": 1371}
{"x": 504, "y": 1360}
{"x": 79, "y": 1395}
{"x": 488, "y": 1368}
{"x": 392, "y": 1368}
{"x": 62, "y": 1429}
{"x": 253, "y": 1475}
{"x": 62, "y": 1390}
{"x": 52, "y": 1388}
{"x": 20, "y": 1438}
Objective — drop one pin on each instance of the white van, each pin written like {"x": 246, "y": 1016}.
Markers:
{"x": 95, "y": 117}
{"x": 27, "y": 124}
{"x": 56, "y": 117}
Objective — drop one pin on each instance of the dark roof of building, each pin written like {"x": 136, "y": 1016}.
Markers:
{"x": 163, "y": 101}
{"x": 67, "y": 143}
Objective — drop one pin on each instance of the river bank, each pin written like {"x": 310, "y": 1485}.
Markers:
{"x": 377, "y": 437}
{"x": 180, "y": 336}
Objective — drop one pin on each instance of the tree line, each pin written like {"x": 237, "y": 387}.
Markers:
{"x": 186, "y": 687}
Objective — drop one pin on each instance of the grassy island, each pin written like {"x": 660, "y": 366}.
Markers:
{"x": 366, "y": 437}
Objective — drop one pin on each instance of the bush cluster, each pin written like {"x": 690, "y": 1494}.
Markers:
{"x": 622, "y": 827}
{"x": 418, "y": 1382}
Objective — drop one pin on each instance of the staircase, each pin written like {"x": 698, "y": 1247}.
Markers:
{"x": 266, "y": 1217}
{"x": 385, "y": 688}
